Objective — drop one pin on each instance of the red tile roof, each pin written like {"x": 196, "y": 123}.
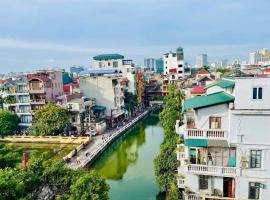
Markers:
{"x": 197, "y": 90}
{"x": 203, "y": 71}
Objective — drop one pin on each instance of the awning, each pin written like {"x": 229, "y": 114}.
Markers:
{"x": 196, "y": 143}
{"x": 99, "y": 108}
{"x": 218, "y": 143}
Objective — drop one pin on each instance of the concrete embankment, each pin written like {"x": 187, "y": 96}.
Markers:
{"x": 99, "y": 144}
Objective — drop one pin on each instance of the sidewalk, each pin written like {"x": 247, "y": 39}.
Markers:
{"x": 98, "y": 145}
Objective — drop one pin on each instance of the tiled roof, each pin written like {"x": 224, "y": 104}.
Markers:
{"x": 222, "y": 83}
{"x": 108, "y": 57}
{"x": 207, "y": 100}
{"x": 203, "y": 71}
{"x": 197, "y": 90}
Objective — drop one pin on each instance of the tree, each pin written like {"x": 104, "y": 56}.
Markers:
{"x": 130, "y": 101}
{"x": 9, "y": 123}
{"x": 90, "y": 187}
{"x": 8, "y": 158}
{"x": 173, "y": 192}
{"x": 51, "y": 119}
{"x": 166, "y": 162}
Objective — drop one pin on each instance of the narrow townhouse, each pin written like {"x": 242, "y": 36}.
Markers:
{"x": 226, "y": 149}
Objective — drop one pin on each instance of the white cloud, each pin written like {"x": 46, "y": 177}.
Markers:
{"x": 23, "y": 44}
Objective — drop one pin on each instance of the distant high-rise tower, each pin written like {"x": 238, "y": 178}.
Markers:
{"x": 254, "y": 58}
{"x": 150, "y": 63}
{"x": 201, "y": 60}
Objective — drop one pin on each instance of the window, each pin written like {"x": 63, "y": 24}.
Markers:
{"x": 203, "y": 182}
{"x": 115, "y": 64}
{"x": 215, "y": 122}
{"x": 255, "y": 158}
{"x": 254, "y": 190}
{"x": 257, "y": 93}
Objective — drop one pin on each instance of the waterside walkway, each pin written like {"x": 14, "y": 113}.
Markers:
{"x": 98, "y": 144}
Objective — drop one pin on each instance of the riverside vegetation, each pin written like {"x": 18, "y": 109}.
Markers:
{"x": 166, "y": 162}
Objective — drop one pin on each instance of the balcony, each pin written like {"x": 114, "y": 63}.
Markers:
{"x": 211, "y": 170}
{"x": 36, "y": 90}
{"x": 205, "y": 197}
{"x": 205, "y": 134}
{"x": 37, "y": 101}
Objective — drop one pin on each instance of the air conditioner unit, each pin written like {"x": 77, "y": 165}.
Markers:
{"x": 243, "y": 162}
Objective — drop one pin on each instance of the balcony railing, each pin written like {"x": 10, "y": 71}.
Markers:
{"x": 206, "y": 134}
{"x": 211, "y": 170}
{"x": 205, "y": 197}
{"x": 36, "y": 90}
{"x": 37, "y": 101}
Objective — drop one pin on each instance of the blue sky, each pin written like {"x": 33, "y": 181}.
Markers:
{"x": 59, "y": 33}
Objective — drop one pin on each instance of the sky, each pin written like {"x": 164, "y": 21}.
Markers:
{"x": 37, "y": 34}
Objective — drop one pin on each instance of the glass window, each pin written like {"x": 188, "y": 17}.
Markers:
{"x": 260, "y": 93}
{"x": 254, "y": 93}
{"x": 255, "y": 158}
{"x": 215, "y": 122}
{"x": 203, "y": 182}
{"x": 254, "y": 190}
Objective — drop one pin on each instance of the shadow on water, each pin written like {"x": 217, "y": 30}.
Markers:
{"x": 128, "y": 163}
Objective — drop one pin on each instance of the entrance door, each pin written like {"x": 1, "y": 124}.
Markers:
{"x": 228, "y": 187}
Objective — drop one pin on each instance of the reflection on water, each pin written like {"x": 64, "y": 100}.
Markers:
{"x": 128, "y": 163}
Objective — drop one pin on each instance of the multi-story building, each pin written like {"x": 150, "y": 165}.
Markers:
{"x": 44, "y": 86}
{"x": 254, "y": 58}
{"x": 150, "y": 63}
{"x": 105, "y": 87}
{"x": 201, "y": 60}
{"x": 117, "y": 61}
{"x": 17, "y": 99}
{"x": 174, "y": 65}
{"x": 159, "y": 66}
{"x": 76, "y": 69}
{"x": 225, "y": 154}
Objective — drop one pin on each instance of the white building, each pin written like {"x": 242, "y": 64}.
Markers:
{"x": 254, "y": 58}
{"x": 226, "y": 150}
{"x": 201, "y": 60}
{"x": 174, "y": 65}
{"x": 117, "y": 61}
{"x": 104, "y": 86}
{"x": 15, "y": 93}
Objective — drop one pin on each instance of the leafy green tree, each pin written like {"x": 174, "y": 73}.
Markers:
{"x": 8, "y": 158}
{"x": 9, "y": 123}
{"x": 90, "y": 187}
{"x": 130, "y": 101}
{"x": 51, "y": 119}
{"x": 166, "y": 162}
{"x": 173, "y": 193}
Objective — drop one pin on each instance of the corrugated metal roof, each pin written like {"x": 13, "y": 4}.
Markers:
{"x": 108, "y": 57}
{"x": 207, "y": 100}
{"x": 222, "y": 84}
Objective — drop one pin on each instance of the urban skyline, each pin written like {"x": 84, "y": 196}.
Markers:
{"x": 48, "y": 33}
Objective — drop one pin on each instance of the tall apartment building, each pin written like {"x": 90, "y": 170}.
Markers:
{"x": 254, "y": 58}
{"x": 105, "y": 87}
{"x": 150, "y": 63}
{"x": 16, "y": 97}
{"x": 226, "y": 154}
{"x": 174, "y": 65}
{"x": 201, "y": 60}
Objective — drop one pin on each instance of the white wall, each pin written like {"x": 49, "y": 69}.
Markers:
{"x": 101, "y": 88}
{"x": 244, "y": 91}
{"x": 203, "y": 114}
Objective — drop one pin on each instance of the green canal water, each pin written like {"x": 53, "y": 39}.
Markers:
{"x": 128, "y": 163}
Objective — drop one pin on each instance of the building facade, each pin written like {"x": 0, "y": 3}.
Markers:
{"x": 225, "y": 154}
{"x": 201, "y": 60}
{"x": 174, "y": 65}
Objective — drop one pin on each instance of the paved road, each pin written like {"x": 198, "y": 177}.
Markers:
{"x": 98, "y": 143}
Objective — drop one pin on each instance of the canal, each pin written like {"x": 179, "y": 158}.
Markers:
{"x": 128, "y": 164}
